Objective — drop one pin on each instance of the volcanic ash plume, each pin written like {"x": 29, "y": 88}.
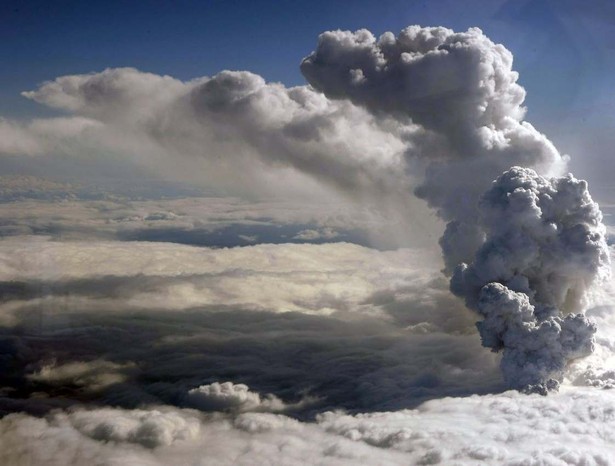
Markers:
{"x": 461, "y": 89}
{"x": 545, "y": 247}
{"x": 430, "y": 109}
{"x": 534, "y": 245}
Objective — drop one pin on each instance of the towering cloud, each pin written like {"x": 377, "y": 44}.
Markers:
{"x": 535, "y": 245}
{"x": 545, "y": 247}
{"x": 460, "y": 87}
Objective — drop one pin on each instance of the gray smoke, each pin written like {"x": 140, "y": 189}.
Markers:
{"x": 545, "y": 247}
{"x": 534, "y": 245}
{"x": 461, "y": 88}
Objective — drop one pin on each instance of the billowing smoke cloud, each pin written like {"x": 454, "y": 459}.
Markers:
{"x": 228, "y": 131}
{"x": 460, "y": 87}
{"x": 431, "y": 111}
{"x": 161, "y": 353}
{"x": 233, "y": 118}
{"x": 506, "y": 429}
{"x": 545, "y": 247}
{"x": 535, "y": 245}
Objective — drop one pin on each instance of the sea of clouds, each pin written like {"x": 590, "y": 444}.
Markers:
{"x": 159, "y": 353}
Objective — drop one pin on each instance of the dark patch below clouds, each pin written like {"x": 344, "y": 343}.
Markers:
{"x": 365, "y": 365}
{"x": 239, "y": 234}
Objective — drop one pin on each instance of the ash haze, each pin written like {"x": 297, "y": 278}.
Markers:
{"x": 263, "y": 233}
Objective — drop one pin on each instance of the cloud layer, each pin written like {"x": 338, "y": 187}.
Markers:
{"x": 513, "y": 429}
{"x": 140, "y": 368}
